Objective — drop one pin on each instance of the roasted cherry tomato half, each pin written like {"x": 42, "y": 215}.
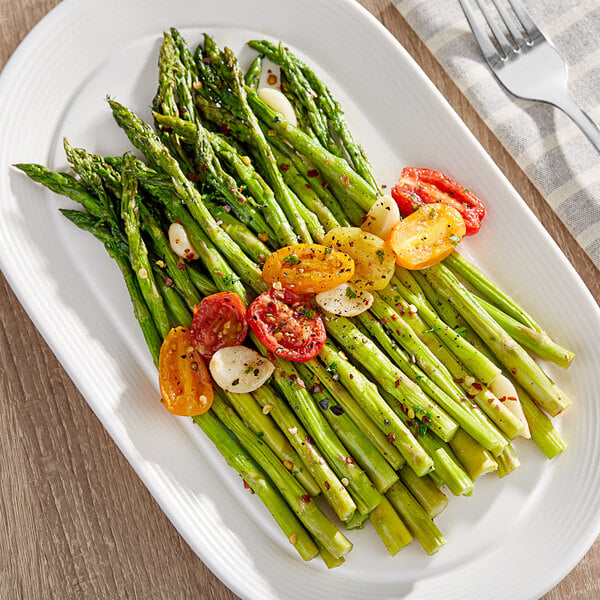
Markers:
{"x": 426, "y": 236}
{"x": 219, "y": 321}
{"x": 424, "y": 186}
{"x": 185, "y": 385}
{"x": 373, "y": 261}
{"x": 286, "y": 325}
{"x": 308, "y": 268}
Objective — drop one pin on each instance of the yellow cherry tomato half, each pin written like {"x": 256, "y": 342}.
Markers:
{"x": 373, "y": 260}
{"x": 427, "y": 236}
{"x": 185, "y": 384}
{"x": 308, "y": 268}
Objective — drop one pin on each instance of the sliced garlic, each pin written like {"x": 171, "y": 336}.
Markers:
{"x": 279, "y": 103}
{"x": 239, "y": 369}
{"x": 180, "y": 243}
{"x": 345, "y": 300}
{"x": 382, "y": 216}
{"x": 503, "y": 388}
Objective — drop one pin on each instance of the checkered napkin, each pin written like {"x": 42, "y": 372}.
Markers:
{"x": 550, "y": 149}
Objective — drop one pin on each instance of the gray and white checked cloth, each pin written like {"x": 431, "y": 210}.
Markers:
{"x": 550, "y": 149}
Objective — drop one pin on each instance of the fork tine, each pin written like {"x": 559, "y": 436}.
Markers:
{"x": 498, "y": 33}
{"x": 523, "y": 15}
{"x": 487, "y": 48}
{"x": 509, "y": 22}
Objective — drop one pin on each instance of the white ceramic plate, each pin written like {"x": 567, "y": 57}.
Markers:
{"x": 514, "y": 538}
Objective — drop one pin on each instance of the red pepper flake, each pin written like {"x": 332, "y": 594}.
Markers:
{"x": 284, "y": 167}
{"x": 181, "y": 266}
{"x": 223, "y": 129}
{"x": 207, "y": 60}
{"x": 204, "y": 166}
{"x": 312, "y": 173}
{"x": 400, "y": 309}
{"x": 246, "y": 486}
{"x": 383, "y": 320}
{"x": 383, "y": 186}
{"x": 391, "y": 438}
{"x": 306, "y": 498}
{"x": 182, "y": 110}
{"x": 395, "y": 317}
{"x": 470, "y": 396}
{"x": 477, "y": 386}
{"x": 503, "y": 399}
{"x": 463, "y": 399}
{"x": 169, "y": 282}
{"x": 459, "y": 381}
{"x": 193, "y": 177}
{"x": 309, "y": 440}
{"x": 324, "y": 185}
{"x": 513, "y": 371}
{"x": 316, "y": 389}
{"x": 426, "y": 420}
{"x": 397, "y": 383}
{"x": 167, "y": 129}
{"x": 490, "y": 400}
{"x": 293, "y": 376}
{"x": 350, "y": 460}
{"x": 327, "y": 485}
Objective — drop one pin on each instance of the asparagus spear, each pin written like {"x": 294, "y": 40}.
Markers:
{"x": 357, "y": 414}
{"x": 475, "y": 277}
{"x": 509, "y": 353}
{"x": 331, "y": 487}
{"x": 366, "y": 454}
{"x": 224, "y": 67}
{"x": 252, "y": 76}
{"x": 295, "y": 495}
{"x": 263, "y": 426}
{"x": 120, "y": 254}
{"x": 137, "y": 249}
{"x": 428, "y": 494}
{"x": 404, "y": 391}
{"x": 240, "y": 460}
{"x": 389, "y": 527}
{"x": 473, "y": 456}
{"x": 367, "y": 395}
{"x": 330, "y": 108}
{"x": 417, "y": 520}
{"x": 536, "y": 341}
{"x": 143, "y": 138}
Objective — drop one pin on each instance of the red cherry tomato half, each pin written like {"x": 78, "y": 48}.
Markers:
{"x": 219, "y": 321}
{"x": 286, "y": 325}
{"x": 424, "y": 186}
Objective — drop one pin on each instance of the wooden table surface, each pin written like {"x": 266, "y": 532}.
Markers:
{"x": 76, "y": 522}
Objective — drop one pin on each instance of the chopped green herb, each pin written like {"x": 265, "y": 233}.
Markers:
{"x": 462, "y": 331}
{"x": 248, "y": 370}
{"x": 309, "y": 313}
{"x": 292, "y": 259}
{"x": 331, "y": 367}
{"x": 350, "y": 293}
{"x": 230, "y": 279}
{"x": 455, "y": 239}
{"x": 436, "y": 328}
{"x": 328, "y": 251}
{"x": 380, "y": 256}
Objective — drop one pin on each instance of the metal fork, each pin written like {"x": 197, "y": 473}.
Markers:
{"x": 529, "y": 68}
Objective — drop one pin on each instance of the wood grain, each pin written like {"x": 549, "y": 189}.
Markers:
{"x": 76, "y": 522}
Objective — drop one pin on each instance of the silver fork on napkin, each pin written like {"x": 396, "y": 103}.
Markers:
{"x": 529, "y": 67}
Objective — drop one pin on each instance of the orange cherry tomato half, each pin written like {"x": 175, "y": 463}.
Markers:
{"x": 185, "y": 384}
{"x": 308, "y": 268}
{"x": 427, "y": 236}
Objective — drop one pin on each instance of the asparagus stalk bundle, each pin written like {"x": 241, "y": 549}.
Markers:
{"x": 386, "y": 413}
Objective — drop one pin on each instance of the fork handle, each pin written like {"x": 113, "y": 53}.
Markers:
{"x": 580, "y": 118}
